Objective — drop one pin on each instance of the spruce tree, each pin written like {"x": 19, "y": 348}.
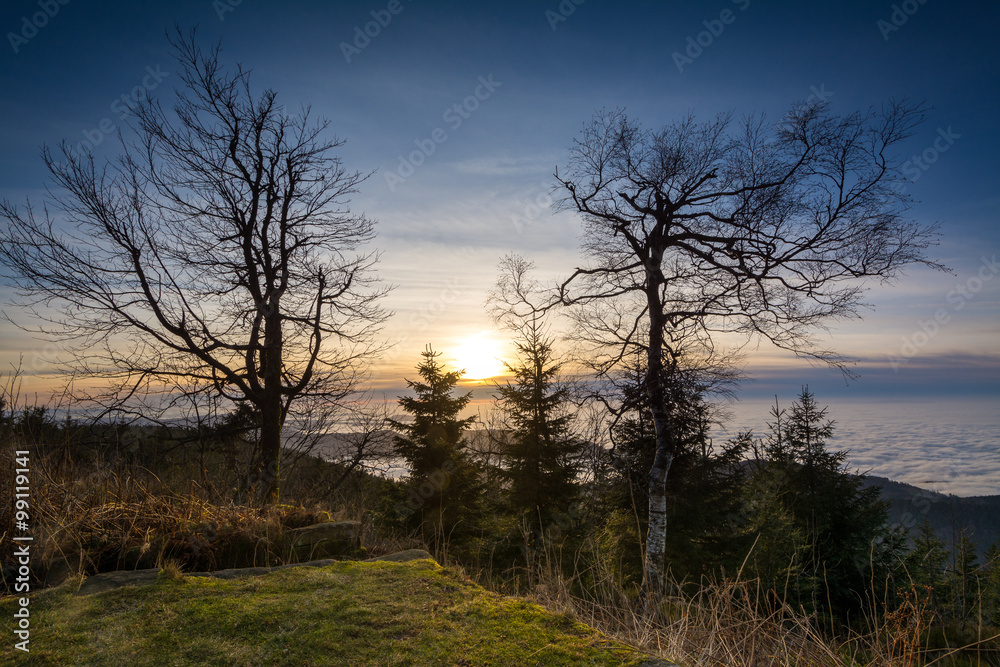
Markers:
{"x": 542, "y": 454}
{"x": 963, "y": 580}
{"x": 927, "y": 561}
{"x": 848, "y": 547}
{"x": 444, "y": 485}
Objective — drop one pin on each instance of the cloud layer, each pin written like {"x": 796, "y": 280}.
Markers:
{"x": 946, "y": 445}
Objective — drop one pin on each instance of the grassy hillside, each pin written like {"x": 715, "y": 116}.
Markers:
{"x": 350, "y": 613}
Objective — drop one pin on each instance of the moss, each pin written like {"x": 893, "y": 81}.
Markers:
{"x": 353, "y": 613}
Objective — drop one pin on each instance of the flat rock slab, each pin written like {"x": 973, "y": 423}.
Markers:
{"x": 107, "y": 581}
{"x": 403, "y": 556}
{"x": 333, "y": 538}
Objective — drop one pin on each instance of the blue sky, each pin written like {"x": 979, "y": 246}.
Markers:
{"x": 526, "y": 75}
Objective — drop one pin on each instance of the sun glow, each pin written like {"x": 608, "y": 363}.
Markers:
{"x": 480, "y": 356}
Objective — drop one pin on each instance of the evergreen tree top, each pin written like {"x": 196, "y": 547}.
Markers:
{"x": 434, "y": 403}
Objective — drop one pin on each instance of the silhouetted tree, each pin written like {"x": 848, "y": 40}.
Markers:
{"x": 767, "y": 231}
{"x": 216, "y": 256}
{"x": 926, "y": 562}
{"x": 963, "y": 578}
{"x": 846, "y": 546}
{"x": 444, "y": 483}
{"x": 541, "y": 456}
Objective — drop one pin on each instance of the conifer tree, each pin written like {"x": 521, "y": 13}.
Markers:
{"x": 444, "y": 485}
{"x": 542, "y": 454}
{"x": 844, "y": 524}
{"x": 705, "y": 485}
{"x": 963, "y": 580}
{"x": 926, "y": 562}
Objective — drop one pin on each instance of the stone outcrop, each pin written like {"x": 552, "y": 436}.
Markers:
{"x": 110, "y": 580}
{"x": 107, "y": 581}
{"x": 403, "y": 556}
{"x": 324, "y": 540}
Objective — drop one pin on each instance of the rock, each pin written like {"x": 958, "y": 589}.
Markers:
{"x": 139, "y": 557}
{"x": 59, "y": 569}
{"x": 107, "y": 581}
{"x": 111, "y": 580}
{"x": 236, "y": 573}
{"x": 323, "y": 540}
{"x": 403, "y": 556}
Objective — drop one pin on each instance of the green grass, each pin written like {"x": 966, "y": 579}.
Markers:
{"x": 350, "y": 613}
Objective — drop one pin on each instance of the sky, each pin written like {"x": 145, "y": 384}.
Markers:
{"x": 463, "y": 111}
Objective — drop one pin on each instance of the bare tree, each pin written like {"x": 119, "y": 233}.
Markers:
{"x": 701, "y": 228}
{"x": 216, "y": 255}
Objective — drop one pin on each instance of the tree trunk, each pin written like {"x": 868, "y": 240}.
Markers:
{"x": 271, "y": 411}
{"x": 656, "y": 538}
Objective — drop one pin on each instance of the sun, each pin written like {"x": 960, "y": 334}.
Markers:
{"x": 480, "y": 356}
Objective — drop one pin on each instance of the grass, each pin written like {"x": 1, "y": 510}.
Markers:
{"x": 92, "y": 515}
{"x": 722, "y": 623}
{"x": 352, "y": 613}
{"x": 738, "y": 623}
{"x": 96, "y": 517}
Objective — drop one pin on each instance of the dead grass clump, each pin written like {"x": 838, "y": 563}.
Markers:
{"x": 740, "y": 623}
{"x": 721, "y": 623}
{"x": 109, "y": 516}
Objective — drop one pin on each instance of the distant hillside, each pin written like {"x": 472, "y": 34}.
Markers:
{"x": 910, "y": 505}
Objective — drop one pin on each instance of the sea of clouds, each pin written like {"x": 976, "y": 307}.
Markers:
{"x": 947, "y": 445}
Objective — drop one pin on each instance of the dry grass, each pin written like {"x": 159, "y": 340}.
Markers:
{"x": 737, "y": 623}
{"x": 722, "y": 623}
{"x": 102, "y": 518}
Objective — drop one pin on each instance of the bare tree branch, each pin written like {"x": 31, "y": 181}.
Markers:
{"x": 703, "y": 228}
{"x": 216, "y": 255}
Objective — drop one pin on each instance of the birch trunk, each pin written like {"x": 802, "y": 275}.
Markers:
{"x": 656, "y": 537}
